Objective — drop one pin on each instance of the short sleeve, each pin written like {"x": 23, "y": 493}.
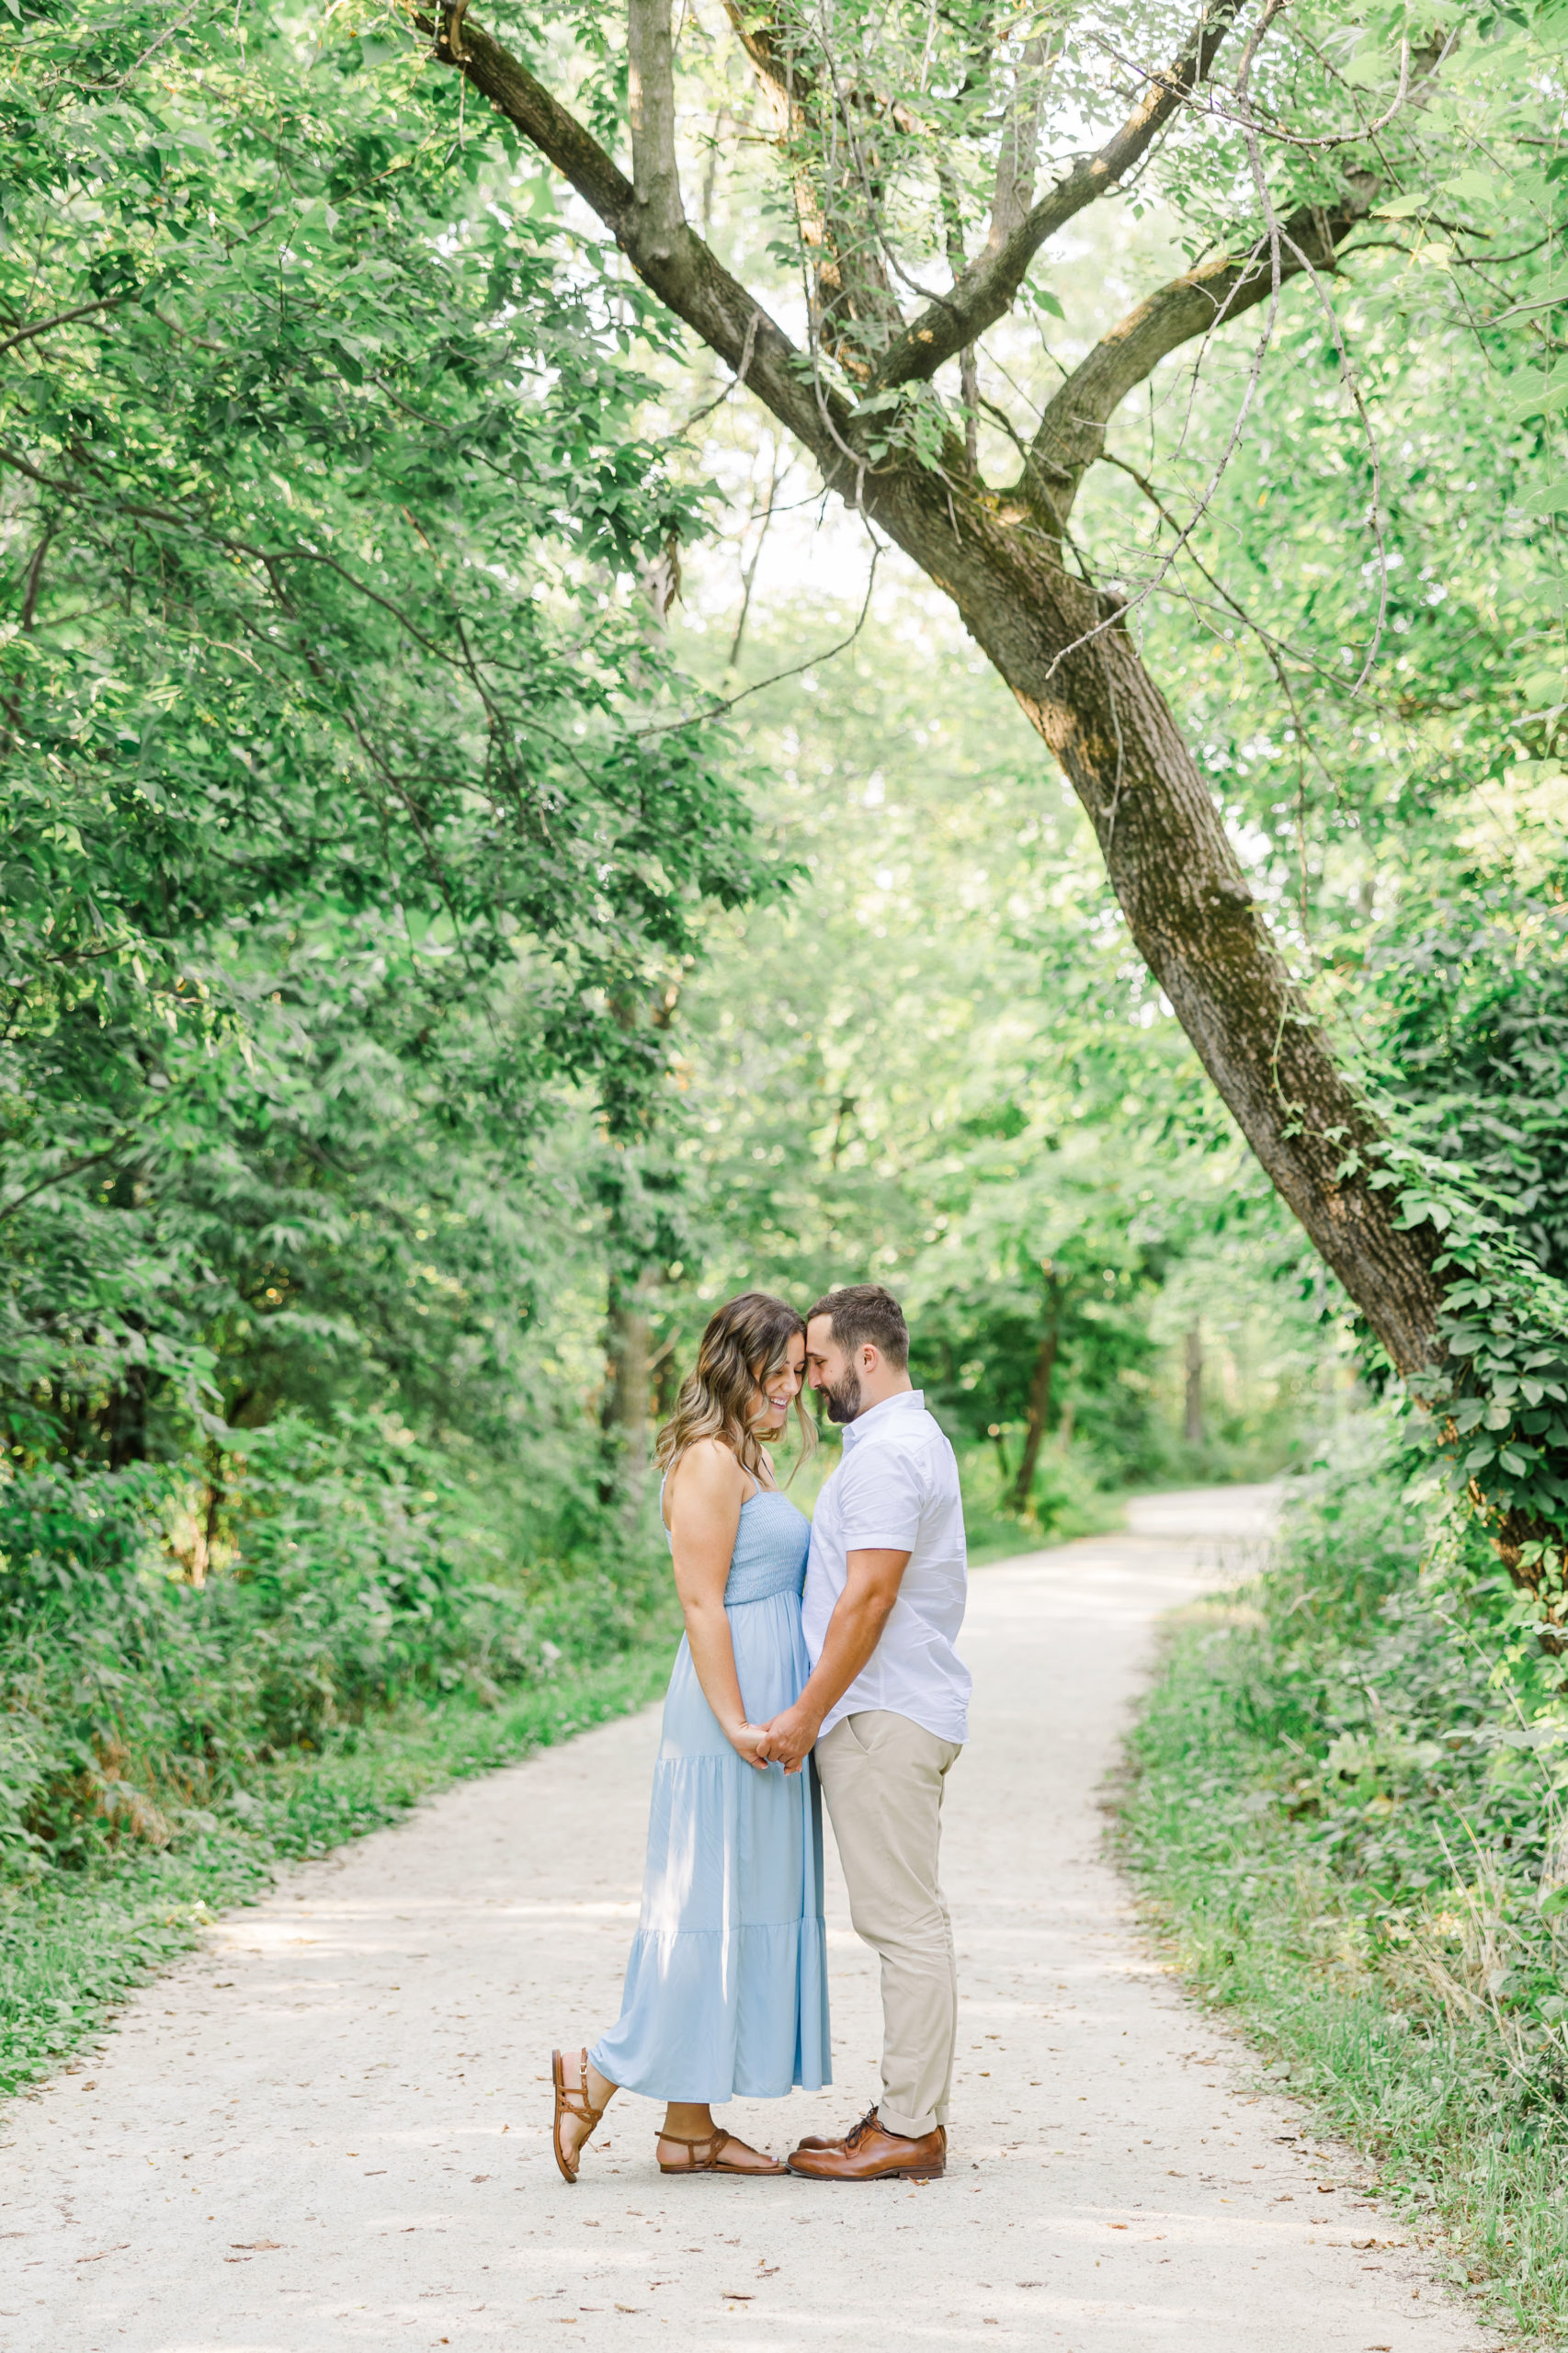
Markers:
{"x": 881, "y": 1494}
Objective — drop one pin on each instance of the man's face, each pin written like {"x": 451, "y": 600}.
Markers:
{"x": 830, "y": 1369}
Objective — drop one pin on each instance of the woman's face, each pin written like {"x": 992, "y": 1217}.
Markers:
{"x": 778, "y": 1389}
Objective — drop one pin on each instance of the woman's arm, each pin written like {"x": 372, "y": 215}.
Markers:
{"x": 703, "y": 1499}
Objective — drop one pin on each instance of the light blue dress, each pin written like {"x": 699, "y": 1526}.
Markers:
{"x": 726, "y": 1989}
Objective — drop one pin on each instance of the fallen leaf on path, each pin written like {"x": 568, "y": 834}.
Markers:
{"x": 102, "y": 2253}
{"x": 258, "y": 2246}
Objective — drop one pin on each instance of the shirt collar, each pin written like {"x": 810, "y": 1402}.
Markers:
{"x": 856, "y": 1431}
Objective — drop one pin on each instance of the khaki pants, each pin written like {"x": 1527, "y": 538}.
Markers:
{"x": 883, "y": 1776}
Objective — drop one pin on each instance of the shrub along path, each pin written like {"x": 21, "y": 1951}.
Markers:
{"x": 330, "y": 2128}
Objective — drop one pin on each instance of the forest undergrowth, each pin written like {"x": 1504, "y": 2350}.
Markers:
{"x": 363, "y": 1636}
{"x": 1347, "y": 1807}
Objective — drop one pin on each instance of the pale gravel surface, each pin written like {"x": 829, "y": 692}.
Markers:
{"x": 330, "y": 2128}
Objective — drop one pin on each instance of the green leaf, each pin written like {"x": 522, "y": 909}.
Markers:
{"x": 1544, "y": 401}
{"x": 1550, "y": 498}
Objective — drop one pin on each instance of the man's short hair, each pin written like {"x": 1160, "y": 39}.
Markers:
{"x": 863, "y": 1313}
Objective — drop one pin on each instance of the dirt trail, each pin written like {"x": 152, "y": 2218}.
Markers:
{"x": 329, "y": 2128}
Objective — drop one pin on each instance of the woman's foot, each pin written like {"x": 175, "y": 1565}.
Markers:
{"x": 582, "y": 2095}
{"x": 720, "y": 2152}
{"x": 692, "y": 2143}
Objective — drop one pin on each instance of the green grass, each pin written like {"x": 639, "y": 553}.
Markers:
{"x": 1351, "y": 2002}
{"x": 72, "y": 1949}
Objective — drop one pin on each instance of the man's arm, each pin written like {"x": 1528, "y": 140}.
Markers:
{"x": 853, "y": 1632}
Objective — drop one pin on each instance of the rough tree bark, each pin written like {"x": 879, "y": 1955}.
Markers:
{"x": 1054, "y": 638}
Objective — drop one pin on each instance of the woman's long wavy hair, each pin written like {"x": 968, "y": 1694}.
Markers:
{"x": 746, "y": 1342}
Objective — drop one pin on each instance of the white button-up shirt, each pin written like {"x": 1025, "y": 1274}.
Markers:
{"x": 897, "y": 1490}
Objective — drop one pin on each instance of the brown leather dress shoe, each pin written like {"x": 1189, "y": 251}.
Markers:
{"x": 869, "y": 2153}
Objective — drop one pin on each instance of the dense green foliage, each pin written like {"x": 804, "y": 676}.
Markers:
{"x": 1348, "y": 1801}
{"x": 336, "y": 837}
{"x": 137, "y": 1707}
{"x": 348, "y": 847}
{"x": 83, "y": 1941}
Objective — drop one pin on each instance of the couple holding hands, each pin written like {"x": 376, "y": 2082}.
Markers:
{"x": 818, "y": 1660}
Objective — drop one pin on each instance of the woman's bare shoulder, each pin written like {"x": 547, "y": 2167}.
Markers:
{"x": 706, "y": 1471}
{"x": 710, "y": 1461}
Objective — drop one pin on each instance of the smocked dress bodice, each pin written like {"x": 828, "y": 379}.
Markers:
{"x": 771, "y": 1545}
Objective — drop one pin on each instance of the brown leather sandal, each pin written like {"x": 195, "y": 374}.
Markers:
{"x": 715, "y": 2142}
{"x": 570, "y": 2099}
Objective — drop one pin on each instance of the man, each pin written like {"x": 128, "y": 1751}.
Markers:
{"x": 886, "y": 1707}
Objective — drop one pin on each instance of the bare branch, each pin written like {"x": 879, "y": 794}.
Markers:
{"x": 855, "y": 313}
{"x": 1020, "y": 150}
{"x": 62, "y": 319}
{"x": 988, "y": 288}
{"x": 655, "y": 174}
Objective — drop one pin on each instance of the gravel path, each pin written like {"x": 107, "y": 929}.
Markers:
{"x": 329, "y": 2128}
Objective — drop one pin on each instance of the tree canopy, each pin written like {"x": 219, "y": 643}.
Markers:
{"x": 348, "y": 825}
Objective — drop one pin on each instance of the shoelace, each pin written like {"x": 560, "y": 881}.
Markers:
{"x": 858, "y": 2133}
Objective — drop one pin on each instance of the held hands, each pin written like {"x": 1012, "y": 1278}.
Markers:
{"x": 747, "y": 1740}
{"x": 790, "y": 1738}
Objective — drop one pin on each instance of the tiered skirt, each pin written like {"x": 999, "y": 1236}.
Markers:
{"x": 726, "y": 1988}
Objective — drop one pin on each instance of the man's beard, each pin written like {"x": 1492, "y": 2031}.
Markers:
{"x": 844, "y": 1401}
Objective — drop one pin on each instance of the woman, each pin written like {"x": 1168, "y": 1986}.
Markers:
{"x": 726, "y": 1990}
